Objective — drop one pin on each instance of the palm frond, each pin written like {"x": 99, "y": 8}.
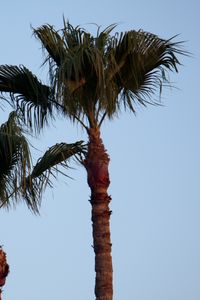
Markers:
{"x": 28, "y": 95}
{"x": 15, "y": 162}
{"x": 18, "y": 180}
{"x": 139, "y": 63}
{"x": 48, "y": 166}
{"x": 52, "y": 42}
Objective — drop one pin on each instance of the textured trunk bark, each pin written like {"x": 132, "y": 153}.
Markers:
{"x": 96, "y": 164}
{"x": 4, "y": 269}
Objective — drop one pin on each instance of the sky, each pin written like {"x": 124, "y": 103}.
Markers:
{"x": 154, "y": 170}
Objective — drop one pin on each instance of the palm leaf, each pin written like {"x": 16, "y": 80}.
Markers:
{"x": 52, "y": 42}
{"x": 139, "y": 62}
{"x": 28, "y": 95}
{"x": 48, "y": 165}
{"x": 15, "y": 161}
{"x": 17, "y": 181}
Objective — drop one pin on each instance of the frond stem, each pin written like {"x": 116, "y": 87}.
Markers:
{"x": 102, "y": 119}
{"x": 4, "y": 202}
{"x": 81, "y": 122}
{"x": 75, "y": 117}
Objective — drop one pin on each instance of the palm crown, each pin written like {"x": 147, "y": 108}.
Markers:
{"x": 95, "y": 76}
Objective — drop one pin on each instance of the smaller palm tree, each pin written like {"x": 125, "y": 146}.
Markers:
{"x": 4, "y": 269}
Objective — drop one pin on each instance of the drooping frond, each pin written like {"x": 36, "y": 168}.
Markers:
{"x": 14, "y": 162}
{"x": 48, "y": 165}
{"x": 28, "y": 95}
{"x": 52, "y": 42}
{"x": 139, "y": 62}
{"x": 95, "y": 76}
{"x": 18, "y": 179}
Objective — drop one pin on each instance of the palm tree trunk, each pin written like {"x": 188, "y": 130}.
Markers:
{"x": 96, "y": 164}
{"x": 4, "y": 269}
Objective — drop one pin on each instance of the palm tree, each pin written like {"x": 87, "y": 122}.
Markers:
{"x": 91, "y": 78}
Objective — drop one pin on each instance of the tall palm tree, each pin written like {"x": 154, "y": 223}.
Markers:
{"x": 91, "y": 78}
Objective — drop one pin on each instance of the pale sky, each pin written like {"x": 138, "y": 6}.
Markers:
{"x": 154, "y": 170}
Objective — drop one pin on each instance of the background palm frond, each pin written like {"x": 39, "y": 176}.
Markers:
{"x": 48, "y": 165}
{"x": 18, "y": 180}
{"x": 28, "y": 95}
{"x": 15, "y": 161}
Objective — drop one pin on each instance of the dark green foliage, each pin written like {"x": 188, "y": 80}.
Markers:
{"x": 93, "y": 76}
{"x": 18, "y": 179}
{"x": 28, "y": 95}
{"x": 14, "y": 161}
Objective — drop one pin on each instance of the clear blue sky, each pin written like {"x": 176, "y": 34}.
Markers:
{"x": 154, "y": 169}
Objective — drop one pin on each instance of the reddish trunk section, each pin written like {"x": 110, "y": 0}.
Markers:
{"x": 4, "y": 269}
{"x": 96, "y": 165}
